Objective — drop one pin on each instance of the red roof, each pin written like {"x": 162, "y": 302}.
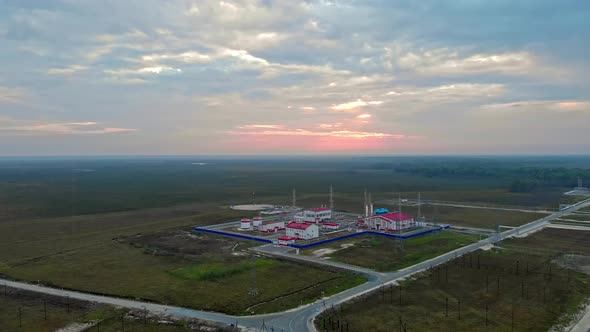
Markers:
{"x": 320, "y": 209}
{"x": 331, "y": 224}
{"x": 297, "y": 225}
{"x": 395, "y": 216}
{"x": 287, "y": 238}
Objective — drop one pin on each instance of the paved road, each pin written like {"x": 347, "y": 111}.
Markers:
{"x": 282, "y": 252}
{"x": 301, "y": 319}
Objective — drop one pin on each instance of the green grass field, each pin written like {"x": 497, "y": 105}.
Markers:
{"x": 538, "y": 294}
{"x": 387, "y": 254}
{"x": 29, "y": 312}
{"x": 62, "y": 220}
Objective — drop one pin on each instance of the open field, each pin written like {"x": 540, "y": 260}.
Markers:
{"x": 522, "y": 291}
{"x": 388, "y": 254}
{"x": 554, "y": 241}
{"x": 582, "y": 217}
{"x": 108, "y": 224}
{"x": 31, "y": 312}
{"x": 213, "y": 276}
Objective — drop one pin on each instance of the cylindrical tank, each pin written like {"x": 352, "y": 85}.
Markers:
{"x": 256, "y": 221}
{"x": 245, "y": 223}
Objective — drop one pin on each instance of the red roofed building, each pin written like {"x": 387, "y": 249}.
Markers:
{"x": 317, "y": 215}
{"x": 331, "y": 225}
{"x": 302, "y": 231}
{"x": 391, "y": 222}
{"x": 285, "y": 240}
{"x": 271, "y": 226}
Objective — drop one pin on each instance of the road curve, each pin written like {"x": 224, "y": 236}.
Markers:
{"x": 301, "y": 318}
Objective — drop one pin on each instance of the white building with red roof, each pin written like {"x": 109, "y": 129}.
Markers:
{"x": 285, "y": 240}
{"x": 302, "y": 231}
{"x": 317, "y": 215}
{"x": 390, "y": 222}
{"x": 272, "y": 226}
{"x": 331, "y": 225}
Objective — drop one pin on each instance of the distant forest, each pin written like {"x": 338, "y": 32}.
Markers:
{"x": 521, "y": 179}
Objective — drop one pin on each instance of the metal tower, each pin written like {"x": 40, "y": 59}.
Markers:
{"x": 419, "y": 206}
{"x": 366, "y": 204}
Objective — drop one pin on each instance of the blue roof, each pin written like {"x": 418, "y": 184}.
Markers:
{"x": 381, "y": 211}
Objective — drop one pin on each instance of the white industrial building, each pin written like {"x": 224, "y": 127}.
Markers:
{"x": 390, "y": 222}
{"x": 272, "y": 226}
{"x": 302, "y": 231}
{"x": 331, "y": 225}
{"x": 317, "y": 215}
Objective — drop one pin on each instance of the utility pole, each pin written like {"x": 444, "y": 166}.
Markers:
{"x": 419, "y": 206}
{"x": 331, "y": 198}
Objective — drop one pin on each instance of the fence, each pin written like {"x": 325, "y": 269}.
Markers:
{"x": 397, "y": 236}
{"x": 239, "y": 236}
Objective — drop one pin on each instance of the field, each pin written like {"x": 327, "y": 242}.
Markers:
{"x": 109, "y": 225}
{"x": 216, "y": 276}
{"x": 386, "y": 254}
{"x": 29, "y": 312}
{"x": 499, "y": 290}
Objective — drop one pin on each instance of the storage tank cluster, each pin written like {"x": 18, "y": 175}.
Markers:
{"x": 254, "y": 223}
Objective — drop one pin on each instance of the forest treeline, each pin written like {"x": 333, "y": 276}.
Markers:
{"x": 520, "y": 179}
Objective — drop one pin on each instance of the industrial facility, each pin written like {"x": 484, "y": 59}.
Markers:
{"x": 288, "y": 225}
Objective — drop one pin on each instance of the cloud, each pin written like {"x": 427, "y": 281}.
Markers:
{"x": 354, "y": 105}
{"x": 12, "y": 95}
{"x": 262, "y": 126}
{"x": 445, "y": 62}
{"x": 67, "y": 128}
{"x": 363, "y": 116}
{"x": 539, "y": 106}
{"x": 279, "y": 130}
{"x": 67, "y": 70}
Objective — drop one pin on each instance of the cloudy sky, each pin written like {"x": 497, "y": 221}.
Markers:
{"x": 106, "y": 77}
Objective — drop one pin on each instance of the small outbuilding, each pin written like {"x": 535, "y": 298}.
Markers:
{"x": 331, "y": 225}
{"x": 285, "y": 240}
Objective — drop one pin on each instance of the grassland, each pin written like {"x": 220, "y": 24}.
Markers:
{"x": 123, "y": 270}
{"x": 522, "y": 291}
{"x": 30, "y": 312}
{"x": 387, "y": 254}
{"x": 62, "y": 221}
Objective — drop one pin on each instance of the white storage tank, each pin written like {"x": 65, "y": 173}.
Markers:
{"x": 256, "y": 222}
{"x": 245, "y": 223}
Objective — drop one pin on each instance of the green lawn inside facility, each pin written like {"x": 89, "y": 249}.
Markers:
{"x": 388, "y": 254}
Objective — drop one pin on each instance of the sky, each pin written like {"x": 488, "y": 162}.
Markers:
{"x": 263, "y": 77}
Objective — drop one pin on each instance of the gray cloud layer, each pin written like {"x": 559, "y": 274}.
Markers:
{"x": 225, "y": 77}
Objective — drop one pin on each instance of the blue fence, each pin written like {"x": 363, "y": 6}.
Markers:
{"x": 239, "y": 236}
{"x": 319, "y": 243}
{"x": 397, "y": 236}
